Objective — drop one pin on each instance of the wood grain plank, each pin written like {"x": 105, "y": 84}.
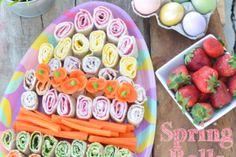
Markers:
{"x": 165, "y": 45}
{"x": 17, "y": 34}
{"x": 56, "y": 10}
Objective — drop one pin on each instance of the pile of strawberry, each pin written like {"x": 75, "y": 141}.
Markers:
{"x": 207, "y": 80}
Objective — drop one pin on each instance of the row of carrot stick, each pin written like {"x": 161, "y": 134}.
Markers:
{"x": 105, "y": 132}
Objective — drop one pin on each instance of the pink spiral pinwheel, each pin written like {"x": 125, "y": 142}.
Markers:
{"x": 64, "y": 29}
{"x": 116, "y": 29}
{"x": 101, "y": 108}
{"x": 127, "y": 46}
{"x": 65, "y": 105}
{"x": 101, "y": 17}
{"x": 118, "y": 111}
{"x": 84, "y": 107}
{"x": 83, "y": 22}
{"x": 49, "y": 102}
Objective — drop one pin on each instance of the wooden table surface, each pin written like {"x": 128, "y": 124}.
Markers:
{"x": 17, "y": 34}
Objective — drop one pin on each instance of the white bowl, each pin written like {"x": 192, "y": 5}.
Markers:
{"x": 32, "y": 8}
{"x": 163, "y": 73}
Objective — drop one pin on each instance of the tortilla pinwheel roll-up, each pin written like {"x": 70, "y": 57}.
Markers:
{"x": 29, "y": 100}
{"x": 123, "y": 153}
{"x": 107, "y": 74}
{"x": 101, "y": 108}
{"x": 118, "y": 111}
{"x": 124, "y": 79}
{"x": 80, "y": 45}
{"x": 29, "y": 80}
{"x": 49, "y": 145}
{"x": 128, "y": 67}
{"x": 36, "y": 142}
{"x": 49, "y": 102}
{"x": 42, "y": 87}
{"x": 97, "y": 40}
{"x": 142, "y": 97}
{"x": 54, "y": 64}
{"x": 63, "y": 30}
{"x": 15, "y": 153}
{"x": 8, "y": 139}
{"x": 135, "y": 114}
{"x": 110, "y": 151}
{"x": 91, "y": 64}
{"x": 45, "y": 53}
{"x": 78, "y": 148}
{"x": 65, "y": 105}
{"x": 110, "y": 55}
{"x": 71, "y": 63}
{"x": 127, "y": 46}
{"x": 84, "y": 107}
{"x": 63, "y": 49}
{"x": 101, "y": 17}
{"x": 83, "y": 22}
{"x": 95, "y": 149}
{"x": 22, "y": 142}
{"x": 63, "y": 149}
{"x": 34, "y": 155}
{"x": 116, "y": 29}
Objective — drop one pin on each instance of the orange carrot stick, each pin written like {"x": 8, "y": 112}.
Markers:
{"x": 36, "y": 114}
{"x": 44, "y": 116}
{"x": 24, "y": 126}
{"x": 63, "y": 127}
{"x": 73, "y": 135}
{"x": 86, "y": 129}
{"x": 110, "y": 125}
{"x": 120, "y": 141}
{"x": 115, "y": 134}
{"x": 128, "y": 134}
{"x": 57, "y": 118}
{"x": 39, "y": 122}
{"x": 130, "y": 127}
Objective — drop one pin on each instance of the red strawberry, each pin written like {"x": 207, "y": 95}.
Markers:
{"x": 196, "y": 59}
{"x": 213, "y": 47}
{"x": 187, "y": 96}
{"x": 223, "y": 79}
{"x": 221, "y": 97}
{"x": 226, "y": 65}
{"x": 204, "y": 97}
{"x": 206, "y": 79}
{"x": 202, "y": 112}
{"x": 178, "y": 77}
{"x": 232, "y": 85}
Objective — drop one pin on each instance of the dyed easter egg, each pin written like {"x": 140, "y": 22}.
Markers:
{"x": 147, "y": 7}
{"x": 171, "y": 13}
{"x": 204, "y": 6}
{"x": 194, "y": 23}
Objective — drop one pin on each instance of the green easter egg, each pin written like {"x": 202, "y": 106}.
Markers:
{"x": 204, "y": 6}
